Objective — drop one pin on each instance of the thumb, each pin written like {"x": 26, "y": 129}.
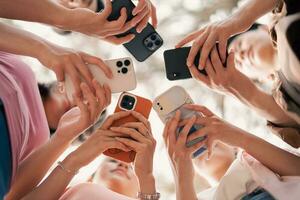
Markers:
{"x": 230, "y": 61}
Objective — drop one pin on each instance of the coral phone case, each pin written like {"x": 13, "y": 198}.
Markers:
{"x": 141, "y": 105}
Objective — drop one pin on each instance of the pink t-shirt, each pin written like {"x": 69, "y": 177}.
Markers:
{"x": 26, "y": 119}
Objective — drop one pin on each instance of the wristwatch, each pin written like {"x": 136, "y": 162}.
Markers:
{"x": 155, "y": 196}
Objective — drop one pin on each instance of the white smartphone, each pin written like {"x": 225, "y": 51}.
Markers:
{"x": 124, "y": 78}
{"x": 172, "y": 100}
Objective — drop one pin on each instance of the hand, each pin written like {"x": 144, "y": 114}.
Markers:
{"x": 215, "y": 129}
{"x": 67, "y": 61}
{"x": 96, "y": 24}
{"x": 142, "y": 143}
{"x": 179, "y": 154}
{"x": 207, "y": 37}
{"x": 79, "y": 118}
{"x": 220, "y": 77}
{"x": 145, "y": 10}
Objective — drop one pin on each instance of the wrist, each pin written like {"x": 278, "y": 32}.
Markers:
{"x": 147, "y": 184}
{"x": 71, "y": 163}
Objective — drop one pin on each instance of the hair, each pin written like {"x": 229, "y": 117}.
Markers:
{"x": 45, "y": 90}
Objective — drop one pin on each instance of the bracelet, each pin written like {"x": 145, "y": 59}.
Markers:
{"x": 60, "y": 165}
{"x": 155, "y": 196}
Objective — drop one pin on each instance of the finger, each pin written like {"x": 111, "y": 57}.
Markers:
{"x": 100, "y": 93}
{"x": 119, "y": 23}
{"x": 154, "y": 16}
{"x": 195, "y": 48}
{"x": 142, "y": 119}
{"x": 121, "y": 40}
{"x": 130, "y": 143}
{"x": 230, "y": 61}
{"x": 173, "y": 127}
{"x": 107, "y": 8}
{"x": 209, "y": 69}
{"x": 216, "y": 62}
{"x": 203, "y": 121}
{"x": 222, "y": 47}
{"x": 133, "y": 133}
{"x": 166, "y": 131}
{"x": 202, "y": 132}
{"x": 84, "y": 71}
{"x": 206, "y": 48}
{"x": 185, "y": 131}
{"x": 92, "y": 101}
{"x": 73, "y": 74}
{"x": 60, "y": 74}
{"x": 140, "y": 6}
{"x": 114, "y": 117}
{"x": 143, "y": 23}
{"x": 112, "y": 143}
{"x": 199, "y": 76}
{"x": 99, "y": 63}
{"x": 189, "y": 38}
{"x": 202, "y": 109}
{"x": 138, "y": 126}
{"x": 107, "y": 94}
{"x": 82, "y": 107}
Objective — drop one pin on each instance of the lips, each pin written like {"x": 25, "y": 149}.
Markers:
{"x": 121, "y": 172}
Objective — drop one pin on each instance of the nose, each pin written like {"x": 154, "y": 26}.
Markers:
{"x": 124, "y": 165}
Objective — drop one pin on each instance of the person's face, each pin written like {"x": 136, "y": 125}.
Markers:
{"x": 55, "y": 106}
{"x": 117, "y": 176}
{"x": 214, "y": 168}
{"x": 254, "y": 53}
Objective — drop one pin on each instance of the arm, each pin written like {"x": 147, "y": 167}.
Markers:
{"x": 59, "y": 59}
{"x": 70, "y": 126}
{"x": 275, "y": 158}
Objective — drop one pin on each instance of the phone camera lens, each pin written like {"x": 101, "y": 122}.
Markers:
{"x": 158, "y": 103}
{"x": 157, "y": 42}
{"x": 127, "y": 62}
{"x": 161, "y": 108}
{"x": 153, "y": 37}
{"x": 119, "y": 64}
{"x": 127, "y": 102}
{"x": 124, "y": 70}
{"x": 150, "y": 45}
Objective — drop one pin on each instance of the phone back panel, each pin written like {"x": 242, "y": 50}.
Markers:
{"x": 140, "y": 47}
{"x": 142, "y": 106}
{"x": 169, "y": 102}
{"x": 124, "y": 78}
{"x": 175, "y": 63}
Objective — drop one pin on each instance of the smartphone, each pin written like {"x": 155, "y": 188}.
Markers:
{"x": 175, "y": 63}
{"x": 169, "y": 102}
{"x": 145, "y": 43}
{"x": 128, "y": 102}
{"x": 124, "y": 78}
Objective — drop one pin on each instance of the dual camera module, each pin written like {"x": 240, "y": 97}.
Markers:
{"x": 128, "y": 102}
{"x": 153, "y": 42}
{"x": 123, "y": 66}
{"x": 160, "y": 107}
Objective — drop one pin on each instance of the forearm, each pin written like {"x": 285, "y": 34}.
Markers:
{"x": 247, "y": 92}
{"x": 56, "y": 182}
{"x": 185, "y": 187}
{"x": 20, "y": 42}
{"x": 43, "y": 11}
{"x": 147, "y": 184}
{"x": 247, "y": 14}
{"x": 33, "y": 169}
{"x": 275, "y": 158}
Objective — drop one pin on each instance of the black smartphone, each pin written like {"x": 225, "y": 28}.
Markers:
{"x": 175, "y": 63}
{"x": 145, "y": 43}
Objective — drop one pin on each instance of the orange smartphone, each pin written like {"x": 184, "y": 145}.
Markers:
{"x": 128, "y": 102}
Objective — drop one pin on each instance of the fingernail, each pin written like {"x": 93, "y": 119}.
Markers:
{"x": 61, "y": 87}
{"x": 188, "y": 63}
